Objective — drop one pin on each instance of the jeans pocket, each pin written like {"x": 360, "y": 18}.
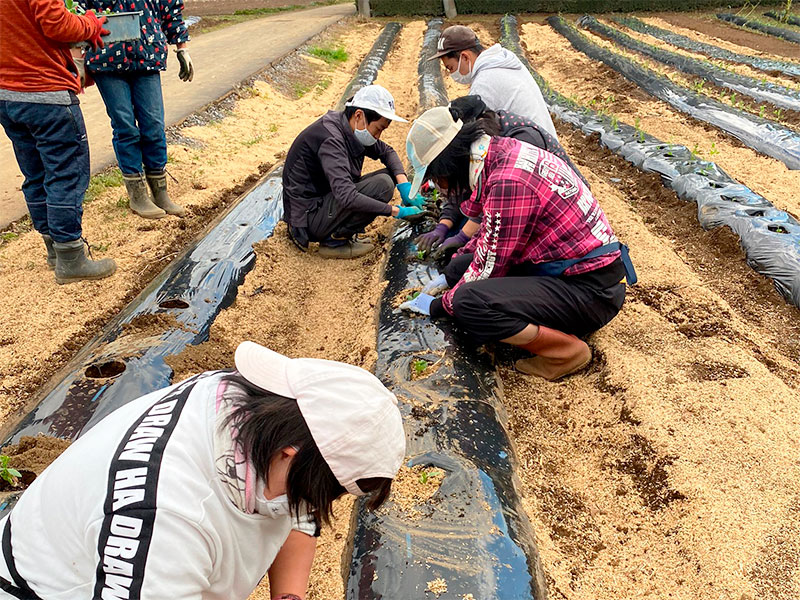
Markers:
{"x": 76, "y": 116}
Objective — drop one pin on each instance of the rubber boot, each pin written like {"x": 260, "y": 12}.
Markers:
{"x": 72, "y": 264}
{"x": 158, "y": 185}
{"x": 140, "y": 201}
{"x": 349, "y": 249}
{"x": 558, "y": 354}
{"x": 51, "y": 252}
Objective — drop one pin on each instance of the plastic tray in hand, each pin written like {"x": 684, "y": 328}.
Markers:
{"x": 122, "y": 27}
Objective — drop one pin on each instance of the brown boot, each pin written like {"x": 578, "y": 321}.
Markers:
{"x": 158, "y": 185}
{"x": 558, "y": 354}
{"x": 350, "y": 249}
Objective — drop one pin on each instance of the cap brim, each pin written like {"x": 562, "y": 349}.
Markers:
{"x": 263, "y": 367}
{"x": 419, "y": 179}
{"x": 390, "y": 115}
{"x": 440, "y": 54}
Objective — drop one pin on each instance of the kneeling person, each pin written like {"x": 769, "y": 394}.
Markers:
{"x": 325, "y": 198}
{"x": 545, "y": 266}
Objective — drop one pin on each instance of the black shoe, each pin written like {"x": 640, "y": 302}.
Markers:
{"x": 299, "y": 235}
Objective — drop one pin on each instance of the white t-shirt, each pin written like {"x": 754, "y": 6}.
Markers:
{"x": 503, "y": 82}
{"x": 171, "y": 531}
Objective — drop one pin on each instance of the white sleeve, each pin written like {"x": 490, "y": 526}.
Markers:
{"x": 306, "y": 523}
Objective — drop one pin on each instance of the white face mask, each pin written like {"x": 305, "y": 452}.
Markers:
{"x": 364, "y": 137}
{"x": 458, "y": 77}
{"x": 276, "y": 507}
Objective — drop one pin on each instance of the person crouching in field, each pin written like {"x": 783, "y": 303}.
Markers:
{"x": 40, "y": 113}
{"x": 200, "y": 489}
{"x": 544, "y": 267}
{"x": 325, "y": 197}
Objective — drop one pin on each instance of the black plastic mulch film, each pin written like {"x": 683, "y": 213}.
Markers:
{"x": 473, "y": 533}
{"x": 760, "y": 91}
{"x": 769, "y": 237}
{"x": 791, "y": 36}
{"x": 760, "y": 134}
{"x": 791, "y": 19}
{"x": 119, "y": 366}
{"x": 372, "y": 63}
{"x": 775, "y": 67}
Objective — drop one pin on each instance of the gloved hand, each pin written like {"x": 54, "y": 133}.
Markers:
{"x": 95, "y": 39}
{"x": 435, "y": 286}
{"x": 404, "y": 189}
{"x": 407, "y": 212}
{"x": 452, "y": 243}
{"x": 429, "y": 241}
{"x": 421, "y": 304}
{"x": 187, "y": 68}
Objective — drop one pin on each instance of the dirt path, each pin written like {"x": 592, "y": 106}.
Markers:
{"x": 303, "y": 305}
{"x": 43, "y": 323}
{"x": 575, "y": 75}
{"x": 750, "y": 40}
{"x": 226, "y": 7}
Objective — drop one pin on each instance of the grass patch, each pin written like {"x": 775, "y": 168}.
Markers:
{"x": 101, "y": 182}
{"x": 329, "y": 55}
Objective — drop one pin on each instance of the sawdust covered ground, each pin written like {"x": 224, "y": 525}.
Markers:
{"x": 303, "y": 305}
{"x": 575, "y": 75}
{"x": 42, "y": 324}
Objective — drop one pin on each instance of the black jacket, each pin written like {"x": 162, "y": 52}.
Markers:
{"x": 326, "y": 157}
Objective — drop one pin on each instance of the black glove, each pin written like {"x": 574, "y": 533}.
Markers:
{"x": 187, "y": 68}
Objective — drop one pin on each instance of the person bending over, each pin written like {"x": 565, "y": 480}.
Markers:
{"x": 453, "y": 229}
{"x": 198, "y": 490}
{"x": 325, "y": 198}
{"x": 545, "y": 266}
{"x": 495, "y": 74}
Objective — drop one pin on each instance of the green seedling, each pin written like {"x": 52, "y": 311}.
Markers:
{"x": 696, "y": 152}
{"x": 614, "y": 122}
{"x": 435, "y": 196}
{"x": 412, "y": 296}
{"x": 762, "y": 111}
{"x": 423, "y": 477}
{"x": 778, "y": 114}
{"x": 9, "y": 474}
{"x": 713, "y": 151}
{"x": 419, "y": 366}
{"x": 699, "y": 85}
{"x": 421, "y": 254}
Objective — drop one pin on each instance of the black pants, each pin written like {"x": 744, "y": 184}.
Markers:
{"x": 329, "y": 219}
{"x": 498, "y": 308}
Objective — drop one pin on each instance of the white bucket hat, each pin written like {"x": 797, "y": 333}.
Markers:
{"x": 377, "y": 98}
{"x": 428, "y": 137}
{"x": 353, "y": 418}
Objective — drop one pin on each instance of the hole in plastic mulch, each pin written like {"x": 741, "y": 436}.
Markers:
{"x": 777, "y": 228}
{"x": 755, "y": 213}
{"x": 715, "y": 185}
{"x": 105, "y": 370}
{"x": 173, "y": 303}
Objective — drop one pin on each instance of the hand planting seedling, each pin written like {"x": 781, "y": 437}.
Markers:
{"x": 9, "y": 474}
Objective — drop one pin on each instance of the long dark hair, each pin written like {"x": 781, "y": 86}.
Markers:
{"x": 452, "y": 164}
{"x": 266, "y": 424}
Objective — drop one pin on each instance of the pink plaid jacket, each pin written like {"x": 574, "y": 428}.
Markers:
{"x": 534, "y": 210}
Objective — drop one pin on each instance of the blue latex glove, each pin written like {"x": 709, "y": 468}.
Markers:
{"x": 421, "y": 304}
{"x": 419, "y": 201}
{"x": 404, "y": 189}
{"x": 404, "y": 212}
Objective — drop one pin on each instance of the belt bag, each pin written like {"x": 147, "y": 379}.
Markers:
{"x": 556, "y": 268}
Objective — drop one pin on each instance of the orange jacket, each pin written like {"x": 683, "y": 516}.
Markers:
{"x": 34, "y": 45}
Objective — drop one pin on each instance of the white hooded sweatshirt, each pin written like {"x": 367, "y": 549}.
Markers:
{"x": 503, "y": 82}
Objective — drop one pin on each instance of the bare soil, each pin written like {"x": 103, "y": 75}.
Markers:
{"x": 713, "y": 27}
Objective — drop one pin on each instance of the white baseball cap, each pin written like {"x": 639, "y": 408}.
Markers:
{"x": 430, "y": 134}
{"x": 377, "y": 98}
{"x": 353, "y": 418}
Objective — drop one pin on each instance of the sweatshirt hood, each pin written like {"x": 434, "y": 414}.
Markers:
{"x": 496, "y": 57}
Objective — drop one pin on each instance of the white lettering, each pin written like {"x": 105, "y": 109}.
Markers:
{"x": 130, "y": 478}
{"x": 129, "y": 527}
{"x": 138, "y": 450}
{"x": 121, "y": 547}
{"x": 115, "y": 566}
{"x": 123, "y": 498}
{"x": 116, "y": 588}
{"x": 146, "y": 432}
{"x": 156, "y": 421}
{"x": 163, "y": 408}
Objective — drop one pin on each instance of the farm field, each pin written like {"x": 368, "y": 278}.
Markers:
{"x": 666, "y": 469}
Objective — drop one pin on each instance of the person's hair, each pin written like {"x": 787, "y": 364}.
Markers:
{"x": 266, "y": 423}
{"x": 369, "y": 114}
{"x": 477, "y": 49}
{"x": 452, "y": 164}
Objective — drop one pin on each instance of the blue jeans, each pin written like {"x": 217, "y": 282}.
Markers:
{"x": 53, "y": 154}
{"x": 136, "y": 109}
